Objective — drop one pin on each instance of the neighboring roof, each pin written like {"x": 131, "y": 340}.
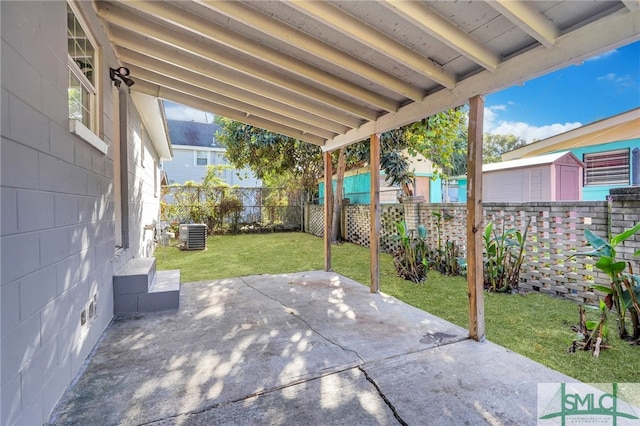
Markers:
{"x": 528, "y": 162}
{"x": 192, "y": 133}
{"x": 620, "y": 127}
{"x": 335, "y": 72}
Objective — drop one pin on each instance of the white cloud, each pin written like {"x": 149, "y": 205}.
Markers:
{"x": 602, "y": 55}
{"x": 622, "y": 80}
{"x": 528, "y": 132}
{"x": 175, "y": 111}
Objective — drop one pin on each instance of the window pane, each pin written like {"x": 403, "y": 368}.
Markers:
{"x": 79, "y": 101}
{"x": 79, "y": 46}
{"x": 202, "y": 159}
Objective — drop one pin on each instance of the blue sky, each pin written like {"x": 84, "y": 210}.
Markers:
{"x": 600, "y": 87}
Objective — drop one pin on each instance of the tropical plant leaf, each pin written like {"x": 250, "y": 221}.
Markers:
{"x": 422, "y": 232}
{"x": 598, "y": 243}
{"x": 626, "y": 296}
{"x": 603, "y": 305}
{"x": 592, "y": 253}
{"x": 591, "y": 324}
{"x": 609, "y": 266}
{"x": 601, "y": 288}
{"x": 487, "y": 231}
{"x": 624, "y": 235}
{"x": 401, "y": 227}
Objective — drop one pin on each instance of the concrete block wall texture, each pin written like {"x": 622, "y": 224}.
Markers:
{"x": 555, "y": 232}
{"x": 58, "y": 211}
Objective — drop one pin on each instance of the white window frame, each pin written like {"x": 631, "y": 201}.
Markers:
{"x": 87, "y": 131}
{"x": 196, "y": 158}
{"x": 596, "y": 173}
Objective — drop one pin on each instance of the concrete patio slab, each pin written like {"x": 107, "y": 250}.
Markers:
{"x": 305, "y": 348}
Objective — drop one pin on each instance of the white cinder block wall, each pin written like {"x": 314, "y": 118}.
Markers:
{"x": 57, "y": 204}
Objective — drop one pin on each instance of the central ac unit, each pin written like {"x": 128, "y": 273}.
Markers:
{"x": 193, "y": 236}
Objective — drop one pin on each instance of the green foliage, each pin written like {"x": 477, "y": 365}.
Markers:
{"x": 446, "y": 257}
{"x": 435, "y": 137}
{"x": 268, "y": 154}
{"x": 197, "y": 202}
{"x": 624, "y": 291}
{"x": 494, "y": 145}
{"x": 230, "y": 208}
{"x": 592, "y": 335}
{"x": 438, "y": 138}
{"x": 410, "y": 259}
{"x": 504, "y": 254}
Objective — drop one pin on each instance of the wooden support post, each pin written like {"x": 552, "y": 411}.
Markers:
{"x": 374, "y": 212}
{"x": 328, "y": 209}
{"x": 475, "y": 279}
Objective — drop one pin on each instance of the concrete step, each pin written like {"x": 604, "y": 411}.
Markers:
{"x": 135, "y": 276}
{"x": 164, "y": 293}
{"x": 137, "y": 287}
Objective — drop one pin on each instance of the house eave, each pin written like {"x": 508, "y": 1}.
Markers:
{"x": 152, "y": 116}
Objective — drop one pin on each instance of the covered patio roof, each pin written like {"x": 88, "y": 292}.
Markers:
{"x": 334, "y": 72}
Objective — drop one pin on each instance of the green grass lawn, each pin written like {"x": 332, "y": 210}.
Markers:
{"x": 535, "y": 325}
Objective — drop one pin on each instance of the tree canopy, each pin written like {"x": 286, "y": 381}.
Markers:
{"x": 495, "y": 145}
{"x": 267, "y": 153}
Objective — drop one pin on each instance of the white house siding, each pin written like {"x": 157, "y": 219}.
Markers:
{"x": 57, "y": 211}
{"x": 183, "y": 168}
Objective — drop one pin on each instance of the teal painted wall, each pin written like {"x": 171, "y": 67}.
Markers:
{"x": 600, "y": 192}
{"x": 462, "y": 190}
{"x": 435, "y": 190}
{"x": 356, "y": 188}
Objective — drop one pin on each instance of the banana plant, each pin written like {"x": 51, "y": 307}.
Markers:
{"x": 504, "y": 256}
{"x": 624, "y": 291}
{"x": 409, "y": 258}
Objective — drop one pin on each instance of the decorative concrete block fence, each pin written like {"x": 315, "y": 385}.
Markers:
{"x": 555, "y": 233}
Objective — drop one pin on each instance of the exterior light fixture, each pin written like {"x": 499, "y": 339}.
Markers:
{"x": 119, "y": 75}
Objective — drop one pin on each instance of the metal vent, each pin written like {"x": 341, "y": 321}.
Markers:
{"x": 193, "y": 236}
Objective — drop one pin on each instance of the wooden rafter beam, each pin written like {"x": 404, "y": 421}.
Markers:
{"x": 222, "y": 101}
{"x": 161, "y": 92}
{"x": 352, "y": 27}
{"x": 607, "y": 34}
{"x": 197, "y": 25}
{"x": 528, "y": 20}
{"x": 445, "y": 31}
{"x": 283, "y": 32}
{"x": 206, "y": 57}
{"x": 202, "y": 87}
{"x": 153, "y": 56}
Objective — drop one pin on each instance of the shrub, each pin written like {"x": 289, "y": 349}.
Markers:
{"x": 504, "y": 254}
{"x": 410, "y": 258}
